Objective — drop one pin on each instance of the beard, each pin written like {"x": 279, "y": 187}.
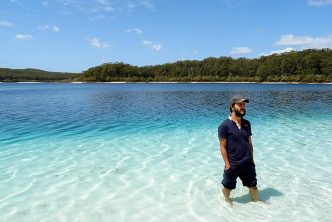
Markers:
{"x": 240, "y": 113}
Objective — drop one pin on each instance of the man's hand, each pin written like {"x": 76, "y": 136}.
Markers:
{"x": 223, "y": 144}
{"x": 227, "y": 166}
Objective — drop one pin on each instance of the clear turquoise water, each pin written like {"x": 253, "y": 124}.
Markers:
{"x": 149, "y": 152}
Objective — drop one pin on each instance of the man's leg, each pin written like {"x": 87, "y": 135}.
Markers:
{"x": 227, "y": 193}
{"x": 254, "y": 193}
{"x": 229, "y": 183}
{"x": 248, "y": 177}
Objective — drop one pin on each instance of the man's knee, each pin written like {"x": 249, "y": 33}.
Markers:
{"x": 253, "y": 188}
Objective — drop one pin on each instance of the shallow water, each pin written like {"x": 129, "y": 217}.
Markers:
{"x": 150, "y": 152}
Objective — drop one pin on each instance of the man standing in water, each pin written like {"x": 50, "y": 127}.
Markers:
{"x": 237, "y": 150}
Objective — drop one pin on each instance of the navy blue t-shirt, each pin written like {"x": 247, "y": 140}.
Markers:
{"x": 238, "y": 147}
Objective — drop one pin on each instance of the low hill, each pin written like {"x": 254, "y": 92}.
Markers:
{"x": 33, "y": 75}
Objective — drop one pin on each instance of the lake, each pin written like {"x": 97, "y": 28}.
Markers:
{"x": 150, "y": 152}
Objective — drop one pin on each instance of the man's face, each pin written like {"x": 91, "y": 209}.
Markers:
{"x": 240, "y": 109}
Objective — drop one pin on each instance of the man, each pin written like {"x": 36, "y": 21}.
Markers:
{"x": 237, "y": 150}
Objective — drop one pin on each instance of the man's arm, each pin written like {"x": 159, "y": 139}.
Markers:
{"x": 251, "y": 149}
{"x": 223, "y": 150}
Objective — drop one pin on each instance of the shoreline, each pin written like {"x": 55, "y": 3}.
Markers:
{"x": 80, "y": 82}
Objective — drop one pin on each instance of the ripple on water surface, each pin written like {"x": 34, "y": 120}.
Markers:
{"x": 143, "y": 153}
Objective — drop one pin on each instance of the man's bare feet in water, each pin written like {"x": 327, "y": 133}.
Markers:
{"x": 226, "y": 193}
{"x": 254, "y": 194}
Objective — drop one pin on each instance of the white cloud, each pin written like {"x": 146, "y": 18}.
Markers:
{"x": 105, "y": 5}
{"x": 23, "y": 37}
{"x": 135, "y": 30}
{"x": 97, "y": 18}
{"x": 56, "y": 29}
{"x": 53, "y": 28}
{"x": 146, "y": 3}
{"x": 91, "y": 7}
{"x": 95, "y": 43}
{"x": 152, "y": 45}
{"x": 4, "y": 23}
{"x": 282, "y": 51}
{"x": 240, "y": 50}
{"x": 278, "y": 51}
{"x": 290, "y": 39}
{"x": 108, "y": 9}
{"x": 106, "y": 45}
{"x": 319, "y": 3}
{"x": 44, "y": 28}
{"x": 306, "y": 41}
{"x": 66, "y": 2}
{"x": 98, "y": 8}
{"x": 131, "y": 6}
{"x": 237, "y": 3}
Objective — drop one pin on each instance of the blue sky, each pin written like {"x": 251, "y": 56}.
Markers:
{"x": 74, "y": 35}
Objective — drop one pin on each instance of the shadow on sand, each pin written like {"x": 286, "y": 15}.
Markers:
{"x": 264, "y": 195}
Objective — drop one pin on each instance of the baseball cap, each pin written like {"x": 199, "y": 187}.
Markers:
{"x": 237, "y": 99}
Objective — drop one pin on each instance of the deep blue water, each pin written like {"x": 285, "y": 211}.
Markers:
{"x": 48, "y": 110}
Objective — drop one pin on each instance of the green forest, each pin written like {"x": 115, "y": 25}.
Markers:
{"x": 33, "y": 75}
{"x": 310, "y": 65}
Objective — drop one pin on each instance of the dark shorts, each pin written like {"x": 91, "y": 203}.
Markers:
{"x": 246, "y": 172}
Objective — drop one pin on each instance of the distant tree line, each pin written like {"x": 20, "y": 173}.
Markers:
{"x": 30, "y": 75}
{"x": 311, "y": 65}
